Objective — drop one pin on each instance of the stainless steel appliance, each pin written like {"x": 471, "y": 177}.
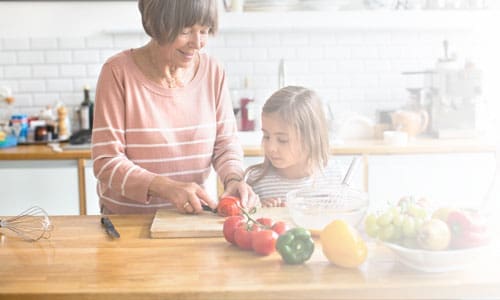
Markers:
{"x": 452, "y": 94}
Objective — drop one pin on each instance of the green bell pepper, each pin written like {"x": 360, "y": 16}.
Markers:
{"x": 295, "y": 246}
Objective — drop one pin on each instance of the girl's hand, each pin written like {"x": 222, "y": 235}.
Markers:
{"x": 273, "y": 202}
{"x": 243, "y": 191}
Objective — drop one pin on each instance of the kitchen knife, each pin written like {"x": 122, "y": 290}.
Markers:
{"x": 109, "y": 227}
{"x": 208, "y": 208}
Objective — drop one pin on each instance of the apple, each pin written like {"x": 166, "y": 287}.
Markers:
{"x": 442, "y": 213}
{"x": 434, "y": 235}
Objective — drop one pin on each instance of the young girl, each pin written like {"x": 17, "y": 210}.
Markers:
{"x": 295, "y": 144}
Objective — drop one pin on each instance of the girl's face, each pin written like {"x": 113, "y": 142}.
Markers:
{"x": 181, "y": 52}
{"x": 282, "y": 147}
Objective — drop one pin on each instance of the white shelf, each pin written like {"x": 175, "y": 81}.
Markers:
{"x": 57, "y": 19}
{"x": 355, "y": 20}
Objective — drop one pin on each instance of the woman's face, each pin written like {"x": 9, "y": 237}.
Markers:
{"x": 182, "y": 51}
{"x": 282, "y": 146}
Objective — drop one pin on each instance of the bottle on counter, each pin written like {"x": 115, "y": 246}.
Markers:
{"x": 86, "y": 114}
{"x": 247, "y": 108}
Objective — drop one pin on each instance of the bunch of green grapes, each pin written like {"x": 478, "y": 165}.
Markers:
{"x": 398, "y": 223}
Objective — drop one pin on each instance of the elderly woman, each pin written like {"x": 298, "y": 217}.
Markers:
{"x": 163, "y": 117}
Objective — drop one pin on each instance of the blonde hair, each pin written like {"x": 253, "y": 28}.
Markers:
{"x": 303, "y": 110}
{"x": 164, "y": 20}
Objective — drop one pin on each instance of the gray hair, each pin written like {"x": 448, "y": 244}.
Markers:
{"x": 164, "y": 20}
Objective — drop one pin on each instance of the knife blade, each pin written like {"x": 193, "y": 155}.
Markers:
{"x": 208, "y": 208}
{"x": 110, "y": 228}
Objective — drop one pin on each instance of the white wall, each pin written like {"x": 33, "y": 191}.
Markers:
{"x": 49, "y": 50}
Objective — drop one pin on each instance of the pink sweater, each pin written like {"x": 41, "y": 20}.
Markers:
{"x": 142, "y": 130}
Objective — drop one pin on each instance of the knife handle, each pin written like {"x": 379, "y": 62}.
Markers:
{"x": 110, "y": 228}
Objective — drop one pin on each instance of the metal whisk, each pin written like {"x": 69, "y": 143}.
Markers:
{"x": 31, "y": 225}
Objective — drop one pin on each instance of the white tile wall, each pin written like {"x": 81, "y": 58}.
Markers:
{"x": 355, "y": 70}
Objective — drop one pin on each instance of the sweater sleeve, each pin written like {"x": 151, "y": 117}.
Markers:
{"x": 111, "y": 166}
{"x": 228, "y": 152}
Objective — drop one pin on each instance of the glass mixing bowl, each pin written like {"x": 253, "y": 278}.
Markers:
{"x": 313, "y": 208}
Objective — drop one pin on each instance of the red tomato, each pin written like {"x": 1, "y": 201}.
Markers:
{"x": 264, "y": 241}
{"x": 229, "y": 206}
{"x": 243, "y": 237}
{"x": 230, "y": 225}
{"x": 280, "y": 227}
{"x": 267, "y": 222}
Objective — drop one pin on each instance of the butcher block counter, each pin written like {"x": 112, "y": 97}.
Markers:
{"x": 79, "y": 261}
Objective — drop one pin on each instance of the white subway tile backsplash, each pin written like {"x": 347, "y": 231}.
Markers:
{"x": 366, "y": 53}
{"x": 34, "y": 86}
{"x": 239, "y": 40}
{"x": 355, "y": 70}
{"x": 45, "y": 99}
{"x": 269, "y": 39}
{"x": 294, "y": 39}
{"x": 44, "y": 43}
{"x": 58, "y": 56}
{"x": 253, "y": 54}
{"x": 266, "y": 68}
{"x": 30, "y": 57}
{"x": 73, "y": 70}
{"x": 125, "y": 41}
{"x": 99, "y": 42}
{"x": 16, "y": 44}
{"x": 86, "y": 56}
{"x": 338, "y": 52}
{"x": 17, "y": 71}
{"x": 322, "y": 66}
{"x": 239, "y": 68}
{"x": 310, "y": 53}
{"x": 105, "y": 54}
{"x": 282, "y": 52}
{"x": 72, "y": 43}
{"x": 22, "y": 102}
{"x": 225, "y": 54}
{"x": 59, "y": 85}
{"x": 94, "y": 70}
{"x": 323, "y": 39}
{"x": 79, "y": 83}
{"x": 45, "y": 71}
{"x": 8, "y": 58}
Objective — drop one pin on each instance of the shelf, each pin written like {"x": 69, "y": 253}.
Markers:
{"x": 355, "y": 20}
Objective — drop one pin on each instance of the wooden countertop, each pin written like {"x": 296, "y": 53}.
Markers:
{"x": 367, "y": 147}
{"x": 80, "y": 262}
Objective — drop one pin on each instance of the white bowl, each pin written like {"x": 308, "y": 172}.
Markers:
{"x": 315, "y": 208}
{"x": 438, "y": 261}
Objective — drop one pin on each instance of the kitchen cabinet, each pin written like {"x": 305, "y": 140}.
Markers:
{"x": 91, "y": 198}
{"x": 50, "y": 184}
{"x": 445, "y": 171}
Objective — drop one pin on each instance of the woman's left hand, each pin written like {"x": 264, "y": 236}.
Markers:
{"x": 242, "y": 190}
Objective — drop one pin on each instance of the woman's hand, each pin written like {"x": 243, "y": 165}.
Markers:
{"x": 187, "y": 197}
{"x": 273, "y": 202}
{"x": 242, "y": 190}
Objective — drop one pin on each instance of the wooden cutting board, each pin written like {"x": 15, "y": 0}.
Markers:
{"x": 169, "y": 223}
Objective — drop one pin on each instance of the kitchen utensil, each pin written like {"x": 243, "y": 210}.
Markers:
{"x": 169, "y": 223}
{"x": 110, "y": 228}
{"x": 313, "y": 208}
{"x": 31, "y": 224}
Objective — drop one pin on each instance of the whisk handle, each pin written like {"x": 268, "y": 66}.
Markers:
{"x": 354, "y": 162}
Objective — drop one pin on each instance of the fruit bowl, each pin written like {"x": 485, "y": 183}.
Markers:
{"x": 438, "y": 261}
{"x": 315, "y": 208}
